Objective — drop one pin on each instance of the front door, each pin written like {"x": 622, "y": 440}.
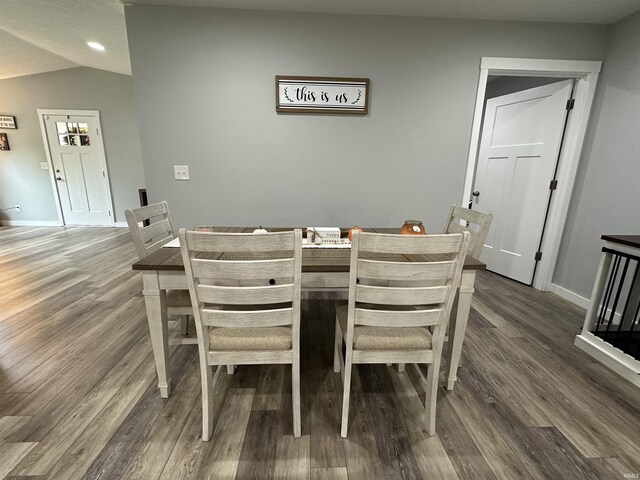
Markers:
{"x": 517, "y": 159}
{"x": 79, "y": 168}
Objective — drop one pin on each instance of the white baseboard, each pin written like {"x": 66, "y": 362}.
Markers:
{"x": 30, "y": 223}
{"x": 615, "y": 359}
{"x": 40, "y": 223}
{"x": 570, "y": 296}
{"x": 581, "y": 301}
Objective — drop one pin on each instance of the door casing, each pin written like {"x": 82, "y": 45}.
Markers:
{"x": 586, "y": 75}
{"x": 103, "y": 156}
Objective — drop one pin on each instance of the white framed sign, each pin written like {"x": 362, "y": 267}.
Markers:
{"x": 7, "y": 121}
{"x": 322, "y": 95}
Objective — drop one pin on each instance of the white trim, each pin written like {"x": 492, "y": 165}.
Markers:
{"x": 573, "y": 297}
{"x": 30, "y": 223}
{"x": 581, "y": 301}
{"x": 618, "y": 247}
{"x": 537, "y": 67}
{"x": 80, "y": 113}
{"x": 47, "y": 151}
{"x": 475, "y": 136}
{"x": 615, "y": 359}
{"x": 121, "y": 224}
{"x": 586, "y": 73}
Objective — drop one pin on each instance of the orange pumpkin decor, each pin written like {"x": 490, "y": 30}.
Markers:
{"x": 351, "y": 230}
{"x": 412, "y": 227}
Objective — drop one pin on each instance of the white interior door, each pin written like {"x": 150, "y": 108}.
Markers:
{"x": 519, "y": 147}
{"x": 79, "y": 169}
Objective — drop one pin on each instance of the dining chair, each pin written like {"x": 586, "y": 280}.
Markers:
{"x": 246, "y": 305}
{"x": 391, "y": 323}
{"x": 460, "y": 220}
{"x": 151, "y": 227}
{"x": 476, "y": 223}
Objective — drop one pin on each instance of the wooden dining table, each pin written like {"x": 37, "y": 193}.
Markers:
{"x": 322, "y": 269}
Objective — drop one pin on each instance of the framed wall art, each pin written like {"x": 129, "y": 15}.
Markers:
{"x": 4, "y": 142}
{"x": 8, "y": 121}
{"x": 328, "y": 95}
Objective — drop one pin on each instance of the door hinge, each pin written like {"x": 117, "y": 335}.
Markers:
{"x": 553, "y": 184}
{"x": 538, "y": 256}
{"x": 97, "y": 132}
{"x": 103, "y": 174}
{"x": 109, "y": 212}
{"x": 571, "y": 103}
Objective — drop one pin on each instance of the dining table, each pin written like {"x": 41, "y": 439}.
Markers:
{"x": 323, "y": 269}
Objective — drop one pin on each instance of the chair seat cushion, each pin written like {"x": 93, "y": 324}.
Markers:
{"x": 251, "y": 338}
{"x": 178, "y": 298}
{"x": 385, "y": 338}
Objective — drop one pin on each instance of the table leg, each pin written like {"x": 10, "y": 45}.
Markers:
{"x": 156, "y": 303}
{"x": 458, "y": 325}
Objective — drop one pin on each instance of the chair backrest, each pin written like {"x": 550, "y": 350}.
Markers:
{"x": 476, "y": 223}
{"x": 150, "y": 227}
{"x": 255, "y": 283}
{"x": 416, "y": 293}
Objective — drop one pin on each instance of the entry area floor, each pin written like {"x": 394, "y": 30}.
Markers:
{"x": 78, "y": 396}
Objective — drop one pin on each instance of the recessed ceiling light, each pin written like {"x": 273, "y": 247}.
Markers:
{"x": 96, "y": 46}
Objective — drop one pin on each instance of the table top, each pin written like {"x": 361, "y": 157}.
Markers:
{"x": 313, "y": 259}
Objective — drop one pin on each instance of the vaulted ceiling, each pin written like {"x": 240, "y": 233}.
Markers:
{"x": 44, "y": 35}
{"x": 40, "y": 36}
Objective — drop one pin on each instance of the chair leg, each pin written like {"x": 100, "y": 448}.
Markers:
{"x": 431, "y": 397}
{"x": 184, "y": 324}
{"x": 345, "y": 394}
{"x": 231, "y": 369}
{"x": 295, "y": 393}
{"x": 209, "y": 381}
{"x": 337, "y": 348}
{"x": 206, "y": 378}
{"x": 401, "y": 367}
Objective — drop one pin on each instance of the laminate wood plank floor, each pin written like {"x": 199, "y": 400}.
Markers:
{"x": 78, "y": 395}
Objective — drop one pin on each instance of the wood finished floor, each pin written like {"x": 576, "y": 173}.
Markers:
{"x": 78, "y": 396}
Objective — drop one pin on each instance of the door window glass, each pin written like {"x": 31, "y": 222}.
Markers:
{"x": 73, "y": 134}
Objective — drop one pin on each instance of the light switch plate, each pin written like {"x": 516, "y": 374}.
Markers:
{"x": 181, "y": 172}
{"x": 44, "y": 165}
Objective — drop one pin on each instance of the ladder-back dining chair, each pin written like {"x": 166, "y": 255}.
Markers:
{"x": 246, "y": 304}
{"x": 476, "y": 223}
{"x": 394, "y": 302}
{"x": 462, "y": 219}
{"x": 151, "y": 228}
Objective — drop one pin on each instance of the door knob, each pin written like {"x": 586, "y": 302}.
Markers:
{"x": 476, "y": 193}
{"x": 58, "y": 178}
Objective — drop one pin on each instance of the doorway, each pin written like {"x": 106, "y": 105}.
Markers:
{"x": 77, "y": 163}
{"x": 513, "y": 227}
{"x": 520, "y": 140}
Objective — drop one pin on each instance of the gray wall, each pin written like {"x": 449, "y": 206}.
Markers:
{"x": 606, "y": 197}
{"x": 21, "y": 179}
{"x": 204, "y": 85}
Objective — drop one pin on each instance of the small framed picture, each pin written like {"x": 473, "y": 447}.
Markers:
{"x": 4, "y": 142}
{"x": 8, "y": 121}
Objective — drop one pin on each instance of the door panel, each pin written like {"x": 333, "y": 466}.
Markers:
{"x": 522, "y": 195}
{"x": 495, "y": 173}
{"x": 79, "y": 166}
{"x": 518, "y": 123}
{"x": 517, "y": 158}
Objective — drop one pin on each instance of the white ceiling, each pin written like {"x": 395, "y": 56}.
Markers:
{"x": 44, "y": 35}
{"x": 40, "y": 36}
